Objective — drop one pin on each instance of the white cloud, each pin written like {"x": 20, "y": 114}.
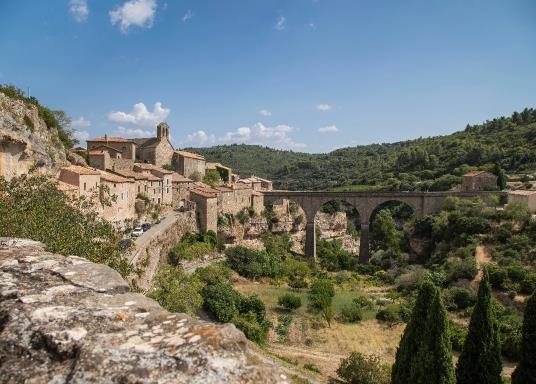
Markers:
{"x": 138, "y": 13}
{"x": 323, "y": 107}
{"x": 281, "y": 23}
{"x": 140, "y": 115}
{"x": 80, "y": 122}
{"x": 328, "y": 129}
{"x": 278, "y": 136}
{"x": 201, "y": 138}
{"x": 79, "y": 10}
{"x": 265, "y": 112}
{"x": 133, "y": 132}
{"x": 81, "y": 136}
{"x": 312, "y": 25}
{"x": 187, "y": 16}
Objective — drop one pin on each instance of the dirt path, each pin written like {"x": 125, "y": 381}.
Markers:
{"x": 482, "y": 257}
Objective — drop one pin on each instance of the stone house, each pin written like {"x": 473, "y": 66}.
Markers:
{"x": 524, "y": 196}
{"x": 187, "y": 163}
{"x": 140, "y": 179}
{"x": 126, "y": 147}
{"x": 87, "y": 180}
{"x": 206, "y": 201}
{"x": 155, "y": 150}
{"x": 257, "y": 183}
{"x": 479, "y": 181}
{"x": 165, "y": 177}
{"x": 233, "y": 199}
{"x": 69, "y": 189}
{"x": 123, "y": 192}
{"x": 181, "y": 189}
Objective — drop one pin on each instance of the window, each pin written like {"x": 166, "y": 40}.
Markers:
{"x": 115, "y": 185}
{"x": 84, "y": 186}
{"x": 167, "y": 190}
{"x": 139, "y": 188}
{"x": 122, "y": 196}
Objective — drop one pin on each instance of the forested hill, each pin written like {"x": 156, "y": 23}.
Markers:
{"x": 434, "y": 163}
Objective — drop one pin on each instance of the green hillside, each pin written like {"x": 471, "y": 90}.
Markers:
{"x": 434, "y": 163}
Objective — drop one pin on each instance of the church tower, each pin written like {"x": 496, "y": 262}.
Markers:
{"x": 162, "y": 131}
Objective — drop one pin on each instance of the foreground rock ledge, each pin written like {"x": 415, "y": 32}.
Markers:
{"x": 64, "y": 319}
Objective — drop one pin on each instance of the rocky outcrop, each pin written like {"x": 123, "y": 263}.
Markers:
{"x": 25, "y": 141}
{"x": 67, "y": 320}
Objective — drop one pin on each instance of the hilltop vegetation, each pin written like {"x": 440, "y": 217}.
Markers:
{"x": 432, "y": 163}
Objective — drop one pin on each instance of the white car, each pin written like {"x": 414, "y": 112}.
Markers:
{"x": 138, "y": 231}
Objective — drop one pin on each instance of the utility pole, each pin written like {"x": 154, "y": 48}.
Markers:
{"x": 29, "y": 92}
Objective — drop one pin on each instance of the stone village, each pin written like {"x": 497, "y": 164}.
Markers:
{"x": 149, "y": 171}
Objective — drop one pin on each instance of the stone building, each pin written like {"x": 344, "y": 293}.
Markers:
{"x": 140, "y": 179}
{"x": 233, "y": 199}
{"x": 188, "y": 163}
{"x": 126, "y": 147}
{"x": 479, "y": 181}
{"x": 226, "y": 173}
{"x": 123, "y": 192}
{"x": 257, "y": 183}
{"x": 155, "y": 150}
{"x": 206, "y": 201}
{"x": 165, "y": 177}
{"x": 524, "y": 196}
{"x": 181, "y": 189}
{"x": 87, "y": 180}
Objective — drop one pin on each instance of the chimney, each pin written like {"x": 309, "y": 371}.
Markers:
{"x": 106, "y": 138}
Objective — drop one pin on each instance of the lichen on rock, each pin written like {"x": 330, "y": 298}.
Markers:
{"x": 65, "y": 319}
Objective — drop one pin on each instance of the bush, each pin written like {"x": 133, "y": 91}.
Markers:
{"x": 498, "y": 276}
{"x": 462, "y": 269}
{"x": 221, "y": 300}
{"x": 390, "y": 314}
{"x": 283, "y": 324}
{"x": 528, "y": 285}
{"x": 321, "y": 297}
{"x": 29, "y": 123}
{"x": 176, "y": 291}
{"x": 361, "y": 369}
{"x": 289, "y": 301}
{"x": 217, "y": 272}
{"x": 457, "y": 298}
{"x": 332, "y": 257}
{"x": 254, "y": 264}
{"x": 254, "y": 329}
{"x": 311, "y": 367}
{"x": 457, "y": 336}
{"x": 352, "y": 313}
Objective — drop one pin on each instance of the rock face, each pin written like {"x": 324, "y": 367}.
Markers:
{"x": 66, "y": 320}
{"x": 25, "y": 140}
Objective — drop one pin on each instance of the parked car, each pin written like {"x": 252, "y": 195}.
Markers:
{"x": 145, "y": 227}
{"x": 137, "y": 232}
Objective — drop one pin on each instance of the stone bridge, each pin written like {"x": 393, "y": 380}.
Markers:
{"x": 422, "y": 203}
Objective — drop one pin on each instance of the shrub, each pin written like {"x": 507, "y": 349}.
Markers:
{"x": 289, "y": 301}
{"x": 361, "y": 369}
{"x": 457, "y": 298}
{"x": 390, "y": 314}
{"x": 283, "y": 324}
{"x": 221, "y": 300}
{"x": 176, "y": 291}
{"x": 311, "y": 367}
{"x": 332, "y": 257}
{"x": 253, "y": 264}
{"x": 321, "y": 297}
{"x": 528, "y": 285}
{"x": 457, "y": 335}
{"x": 29, "y": 123}
{"x": 462, "y": 269}
{"x": 498, "y": 276}
{"x": 217, "y": 272}
{"x": 254, "y": 329}
{"x": 352, "y": 313}
{"x": 297, "y": 283}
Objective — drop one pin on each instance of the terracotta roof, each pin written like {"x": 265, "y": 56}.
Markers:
{"x": 522, "y": 192}
{"x": 254, "y": 179}
{"x": 162, "y": 170}
{"x": 477, "y": 173}
{"x": 111, "y": 139}
{"x": 152, "y": 142}
{"x": 106, "y": 147}
{"x": 190, "y": 155}
{"x": 79, "y": 149}
{"x": 146, "y": 166}
{"x": 131, "y": 174}
{"x": 201, "y": 185}
{"x": 203, "y": 193}
{"x": 178, "y": 178}
{"x": 211, "y": 165}
{"x": 151, "y": 177}
{"x": 63, "y": 186}
{"x": 81, "y": 170}
{"x": 95, "y": 152}
{"x": 107, "y": 176}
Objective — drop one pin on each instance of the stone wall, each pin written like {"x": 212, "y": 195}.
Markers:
{"x": 67, "y": 320}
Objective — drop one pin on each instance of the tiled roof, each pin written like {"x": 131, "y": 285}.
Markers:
{"x": 478, "y": 173}
{"x": 106, "y": 147}
{"x": 190, "y": 155}
{"x": 111, "y": 139}
{"x": 151, "y": 177}
{"x": 131, "y": 174}
{"x": 107, "y": 176}
{"x": 152, "y": 142}
{"x": 178, "y": 178}
{"x": 62, "y": 186}
{"x": 95, "y": 152}
{"x": 146, "y": 166}
{"x": 81, "y": 170}
{"x": 203, "y": 193}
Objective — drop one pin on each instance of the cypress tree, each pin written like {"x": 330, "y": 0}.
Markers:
{"x": 525, "y": 372}
{"x": 424, "y": 355}
{"x": 480, "y": 360}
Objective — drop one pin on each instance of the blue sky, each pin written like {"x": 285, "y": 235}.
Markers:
{"x": 308, "y": 75}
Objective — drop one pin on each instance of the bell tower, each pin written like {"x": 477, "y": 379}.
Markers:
{"x": 162, "y": 131}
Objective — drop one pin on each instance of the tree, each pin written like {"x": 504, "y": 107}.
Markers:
{"x": 424, "y": 355}
{"x": 321, "y": 298}
{"x": 176, "y": 291}
{"x": 212, "y": 178}
{"x": 384, "y": 232}
{"x": 525, "y": 372}
{"x": 501, "y": 176}
{"x": 480, "y": 360}
{"x": 361, "y": 369}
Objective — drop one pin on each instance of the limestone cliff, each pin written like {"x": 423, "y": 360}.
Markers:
{"x": 67, "y": 320}
{"x": 25, "y": 140}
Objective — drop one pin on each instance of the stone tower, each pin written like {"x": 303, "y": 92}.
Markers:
{"x": 162, "y": 131}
